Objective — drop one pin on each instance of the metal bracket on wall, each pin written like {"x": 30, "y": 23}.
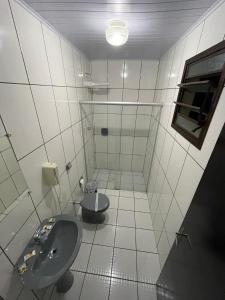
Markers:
{"x": 187, "y": 105}
{"x": 181, "y": 234}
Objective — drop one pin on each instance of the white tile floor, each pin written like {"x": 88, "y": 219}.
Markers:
{"x": 116, "y": 180}
{"x": 117, "y": 260}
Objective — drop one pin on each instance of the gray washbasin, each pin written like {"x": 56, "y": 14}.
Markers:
{"x": 55, "y": 253}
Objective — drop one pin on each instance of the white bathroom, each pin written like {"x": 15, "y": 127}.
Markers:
{"x": 112, "y": 139}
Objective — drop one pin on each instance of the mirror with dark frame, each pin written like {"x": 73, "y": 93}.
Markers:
{"x": 202, "y": 84}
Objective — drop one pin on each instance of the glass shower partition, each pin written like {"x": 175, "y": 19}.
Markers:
{"x": 119, "y": 140}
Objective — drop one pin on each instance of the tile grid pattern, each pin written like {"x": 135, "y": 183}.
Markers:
{"x": 126, "y": 157}
{"x": 194, "y": 158}
{"x": 61, "y": 131}
{"x": 165, "y": 232}
{"x": 25, "y": 214}
{"x": 130, "y": 156}
{"x": 178, "y": 165}
{"x": 122, "y": 277}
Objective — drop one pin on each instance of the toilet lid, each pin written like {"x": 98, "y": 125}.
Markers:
{"x": 96, "y": 202}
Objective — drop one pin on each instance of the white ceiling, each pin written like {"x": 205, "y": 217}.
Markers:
{"x": 154, "y": 24}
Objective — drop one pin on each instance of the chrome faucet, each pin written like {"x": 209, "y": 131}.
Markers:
{"x": 40, "y": 236}
{"x": 37, "y": 236}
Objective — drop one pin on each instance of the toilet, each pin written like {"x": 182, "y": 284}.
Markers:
{"x": 93, "y": 207}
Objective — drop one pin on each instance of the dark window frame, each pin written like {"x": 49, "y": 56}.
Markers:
{"x": 215, "y": 50}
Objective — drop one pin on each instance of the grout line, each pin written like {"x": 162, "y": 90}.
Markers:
{"x": 147, "y": 152}
{"x": 21, "y": 158}
{"x": 125, "y": 114}
{"x": 136, "y": 248}
{"x": 78, "y": 87}
{"x": 200, "y": 38}
{"x": 108, "y": 276}
{"x": 110, "y": 286}
{"x": 128, "y": 154}
{"x": 20, "y": 293}
{"x": 64, "y": 71}
{"x": 122, "y": 248}
{"x": 7, "y": 257}
{"x": 11, "y": 174}
{"x": 86, "y": 272}
{"x": 154, "y": 147}
{"x": 121, "y": 118}
{"x": 107, "y": 114}
{"x": 156, "y": 81}
{"x": 84, "y": 144}
{"x": 35, "y": 207}
{"x": 137, "y": 114}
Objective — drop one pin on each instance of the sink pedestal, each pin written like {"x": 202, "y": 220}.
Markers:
{"x": 65, "y": 283}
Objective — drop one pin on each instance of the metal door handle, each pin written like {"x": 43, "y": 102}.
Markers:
{"x": 181, "y": 234}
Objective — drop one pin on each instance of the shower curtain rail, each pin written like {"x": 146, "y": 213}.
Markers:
{"x": 121, "y": 103}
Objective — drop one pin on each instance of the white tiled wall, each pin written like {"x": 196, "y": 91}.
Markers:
{"x": 129, "y": 81}
{"x": 178, "y": 165}
{"x": 40, "y": 89}
{"x": 12, "y": 182}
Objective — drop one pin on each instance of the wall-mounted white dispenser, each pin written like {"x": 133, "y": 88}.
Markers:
{"x": 50, "y": 173}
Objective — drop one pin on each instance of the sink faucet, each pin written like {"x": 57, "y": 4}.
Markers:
{"x": 37, "y": 236}
{"x": 41, "y": 234}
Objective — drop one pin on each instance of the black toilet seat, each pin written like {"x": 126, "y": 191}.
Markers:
{"x": 93, "y": 207}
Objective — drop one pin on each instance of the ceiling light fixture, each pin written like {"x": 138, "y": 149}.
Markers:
{"x": 117, "y": 33}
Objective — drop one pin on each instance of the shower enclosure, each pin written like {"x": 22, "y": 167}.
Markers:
{"x": 119, "y": 140}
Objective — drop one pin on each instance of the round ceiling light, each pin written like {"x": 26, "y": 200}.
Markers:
{"x": 117, "y": 33}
